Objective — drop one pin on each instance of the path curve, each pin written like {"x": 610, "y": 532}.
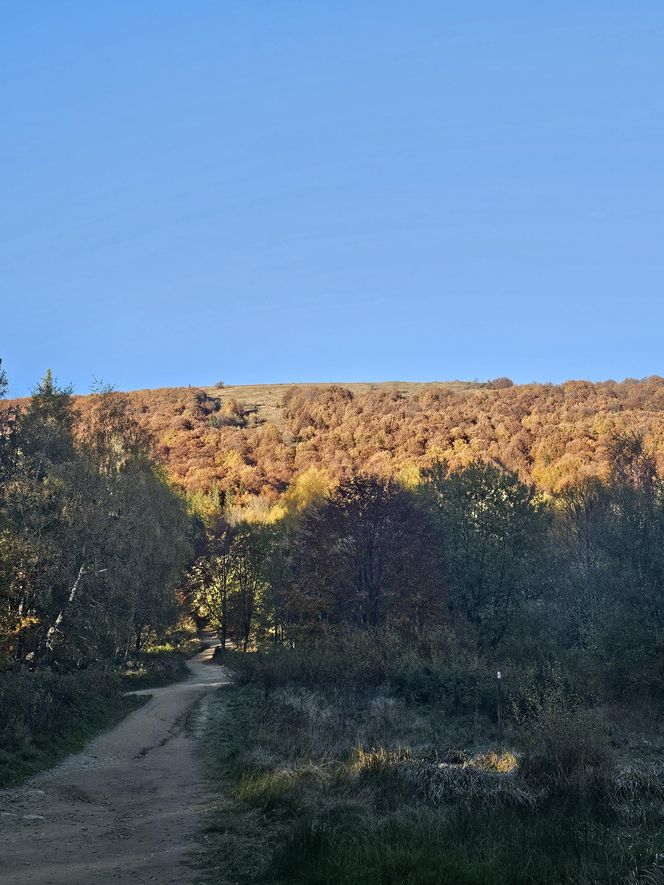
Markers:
{"x": 125, "y": 809}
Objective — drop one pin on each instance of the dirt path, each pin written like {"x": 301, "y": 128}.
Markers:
{"x": 123, "y": 810}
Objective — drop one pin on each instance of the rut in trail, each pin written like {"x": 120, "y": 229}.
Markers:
{"x": 125, "y": 809}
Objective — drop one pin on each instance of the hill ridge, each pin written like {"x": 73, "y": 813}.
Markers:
{"x": 254, "y": 439}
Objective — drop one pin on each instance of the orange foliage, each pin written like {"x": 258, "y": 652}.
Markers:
{"x": 550, "y": 434}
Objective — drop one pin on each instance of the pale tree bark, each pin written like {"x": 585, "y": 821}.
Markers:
{"x": 54, "y": 630}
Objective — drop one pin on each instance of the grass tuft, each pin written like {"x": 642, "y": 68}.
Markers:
{"x": 327, "y": 784}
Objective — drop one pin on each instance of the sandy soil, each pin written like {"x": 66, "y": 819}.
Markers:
{"x": 123, "y": 810}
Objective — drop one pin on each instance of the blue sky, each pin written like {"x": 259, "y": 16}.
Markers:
{"x": 271, "y": 190}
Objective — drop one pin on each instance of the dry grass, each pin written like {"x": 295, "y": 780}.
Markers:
{"x": 502, "y": 762}
{"x": 330, "y": 787}
{"x": 265, "y": 401}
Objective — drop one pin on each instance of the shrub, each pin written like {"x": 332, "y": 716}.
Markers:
{"x": 567, "y": 753}
{"x": 435, "y": 669}
{"x": 159, "y": 666}
{"x": 501, "y": 763}
{"x": 35, "y": 705}
{"x": 502, "y": 383}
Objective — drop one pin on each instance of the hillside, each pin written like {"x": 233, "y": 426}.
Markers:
{"x": 255, "y": 439}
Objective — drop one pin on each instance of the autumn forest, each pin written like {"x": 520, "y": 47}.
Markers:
{"x": 255, "y": 440}
{"x": 440, "y": 606}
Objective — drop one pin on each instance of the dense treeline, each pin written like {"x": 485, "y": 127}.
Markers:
{"x": 368, "y": 731}
{"x": 92, "y": 537}
{"x": 93, "y": 541}
{"x": 255, "y": 441}
{"x": 472, "y": 558}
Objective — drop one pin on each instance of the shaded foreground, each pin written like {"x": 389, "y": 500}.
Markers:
{"x": 123, "y": 810}
{"x": 344, "y": 784}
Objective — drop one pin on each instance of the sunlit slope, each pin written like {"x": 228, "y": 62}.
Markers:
{"x": 252, "y": 440}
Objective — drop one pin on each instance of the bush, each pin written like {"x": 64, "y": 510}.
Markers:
{"x": 154, "y": 668}
{"x": 433, "y": 669}
{"x": 567, "y": 753}
{"x": 502, "y": 383}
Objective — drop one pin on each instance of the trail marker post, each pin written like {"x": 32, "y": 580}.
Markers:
{"x": 499, "y": 678}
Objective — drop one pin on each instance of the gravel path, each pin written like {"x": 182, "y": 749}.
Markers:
{"x": 125, "y": 809}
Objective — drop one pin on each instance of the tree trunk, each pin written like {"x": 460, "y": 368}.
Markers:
{"x": 54, "y": 629}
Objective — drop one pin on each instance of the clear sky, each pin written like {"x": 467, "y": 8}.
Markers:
{"x": 282, "y": 190}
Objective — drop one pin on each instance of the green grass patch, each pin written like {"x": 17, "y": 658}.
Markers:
{"x": 160, "y": 663}
{"x": 426, "y": 848}
{"x": 155, "y": 668}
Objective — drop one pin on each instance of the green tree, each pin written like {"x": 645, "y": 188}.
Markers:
{"x": 632, "y": 641}
{"x": 37, "y": 508}
{"x": 493, "y": 533}
{"x": 582, "y": 512}
{"x": 92, "y": 537}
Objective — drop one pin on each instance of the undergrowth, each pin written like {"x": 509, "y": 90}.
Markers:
{"x": 162, "y": 662}
{"x": 325, "y": 783}
{"x": 44, "y": 716}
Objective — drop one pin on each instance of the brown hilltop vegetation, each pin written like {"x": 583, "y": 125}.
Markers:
{"x": 255, "y": 439}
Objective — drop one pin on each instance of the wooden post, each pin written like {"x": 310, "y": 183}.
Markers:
{"x": 500, "y": 712}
